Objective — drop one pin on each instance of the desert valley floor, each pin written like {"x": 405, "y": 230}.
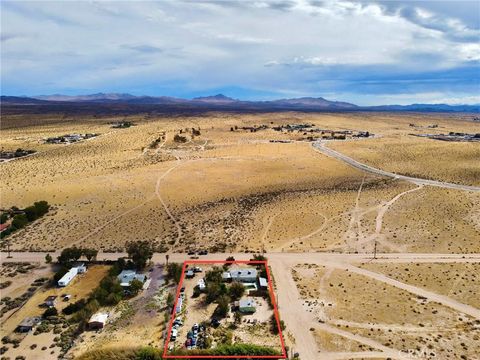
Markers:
{"x": 248, "y": 183}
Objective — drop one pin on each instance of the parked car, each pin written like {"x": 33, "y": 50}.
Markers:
{"x": 195, "y": 327}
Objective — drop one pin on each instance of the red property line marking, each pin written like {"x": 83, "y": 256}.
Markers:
{"x": 272, "y": 297}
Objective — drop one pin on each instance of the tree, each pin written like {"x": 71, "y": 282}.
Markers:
{"x": 70, "y": 254}
{"x": 237, "y": 317}
{"x": 213, "y": 292}
{"x": 174, "y": 272}
{"x": 236, "y": 290}
{"x": 31, "y": 213}
{"x": 19, "y": 221}
{"x": 3, "y": 218}
{"x": 214, "y": 275}
{"x": 90, "y": 254}
{"x": 223, "y": 306}
{"x": 42, "y": 207}
{"x": 48, "y": 258}
{"x": 135, "y": 286}
{"x": 140, "y": 252}
{"x": 170, "y": 300}
{"x": 51, "y": 311}
{"x": 274, "y": 325}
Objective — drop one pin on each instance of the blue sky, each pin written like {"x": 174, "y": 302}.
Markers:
{"x": 365, "y": 52}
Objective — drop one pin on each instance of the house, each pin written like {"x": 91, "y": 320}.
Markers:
{"x": 127, "y": 276}
{"x": 29, "y": 324}
{"x": 248, "y": 275}
{"x": 247, "y": 306}
{"x": 4, "y": 226}
{"x": 50, "y": 301}
{"x": 263, "y": 283}
{"x": 97, "y": 321}
{"x": 65, "y": 280}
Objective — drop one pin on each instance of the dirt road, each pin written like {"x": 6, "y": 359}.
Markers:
{"x": 321, "y": 147}
{"x": 299, "y": 321}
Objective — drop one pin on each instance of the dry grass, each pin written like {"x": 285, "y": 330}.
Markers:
{"x": 79, "y": 288}
{"x": 459, "y": 281}
{"x": 388, "y": 315}
{"x": 228, "y": 190}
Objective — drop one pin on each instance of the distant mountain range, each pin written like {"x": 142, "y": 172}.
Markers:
{"x": 221, "y": 101}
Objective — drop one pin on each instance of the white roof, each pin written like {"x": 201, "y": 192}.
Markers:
{"x": 248, "y": 302}
{"x": 99, "y": 317}
{"x": 263, "y": 282}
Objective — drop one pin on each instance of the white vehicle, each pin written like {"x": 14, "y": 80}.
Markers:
{"x": 173, "y": 336}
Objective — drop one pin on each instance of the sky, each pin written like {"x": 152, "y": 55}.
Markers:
{"x": 366, "y": 52}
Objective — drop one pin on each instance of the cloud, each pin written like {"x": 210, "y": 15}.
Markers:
{"x": 149, "y": 49}
{"x": 359, "y": 48}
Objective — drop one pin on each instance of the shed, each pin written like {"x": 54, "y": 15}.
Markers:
{"x": 65, "y": 280}
{"x": 263, "y": 283}
{"x": 28, "y": 324}
{"x": 50, "y": 301}
{"x": 97, "y": 321}
{"x": 247, "y": 306}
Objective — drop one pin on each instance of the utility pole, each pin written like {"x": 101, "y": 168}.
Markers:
{"x": 167, "y": 257}
{"x": 8, "y": 250}
{"x": 375, "y": 249}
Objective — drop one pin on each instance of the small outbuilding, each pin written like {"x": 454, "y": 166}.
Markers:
{"x": 50, "y": 301}
{"x": 69, "y": 276}
{"x": 28, "y": 324}
{"x": 247, "y": 306}
{"x": 97, "y": 321}
{"x": 263, "y": 283}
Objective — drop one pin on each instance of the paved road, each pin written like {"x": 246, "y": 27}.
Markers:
{"x": 290, "y": 257}
{"x": 321, "y": 147}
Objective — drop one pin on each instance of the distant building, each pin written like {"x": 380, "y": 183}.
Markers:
{"x": 127, "y": 276}
{"x": 97, "y": 321}
{"x": 29, "y": 324}
{"x": 247, "y": 306}
{"x": 70, "y": 275}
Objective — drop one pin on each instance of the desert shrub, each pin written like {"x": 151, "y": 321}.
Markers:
{"x": 51, "y": 311}
{"x": 274, "y": 325}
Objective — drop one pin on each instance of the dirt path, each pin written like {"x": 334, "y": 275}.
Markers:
{"x": 321, "y": 147}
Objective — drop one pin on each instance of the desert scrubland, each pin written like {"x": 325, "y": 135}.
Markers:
{"x": 202, "y": 182}
{"x": 236, "y": 191}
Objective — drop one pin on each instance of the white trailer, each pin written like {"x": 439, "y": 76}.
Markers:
{"x": 65, "y": 280}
